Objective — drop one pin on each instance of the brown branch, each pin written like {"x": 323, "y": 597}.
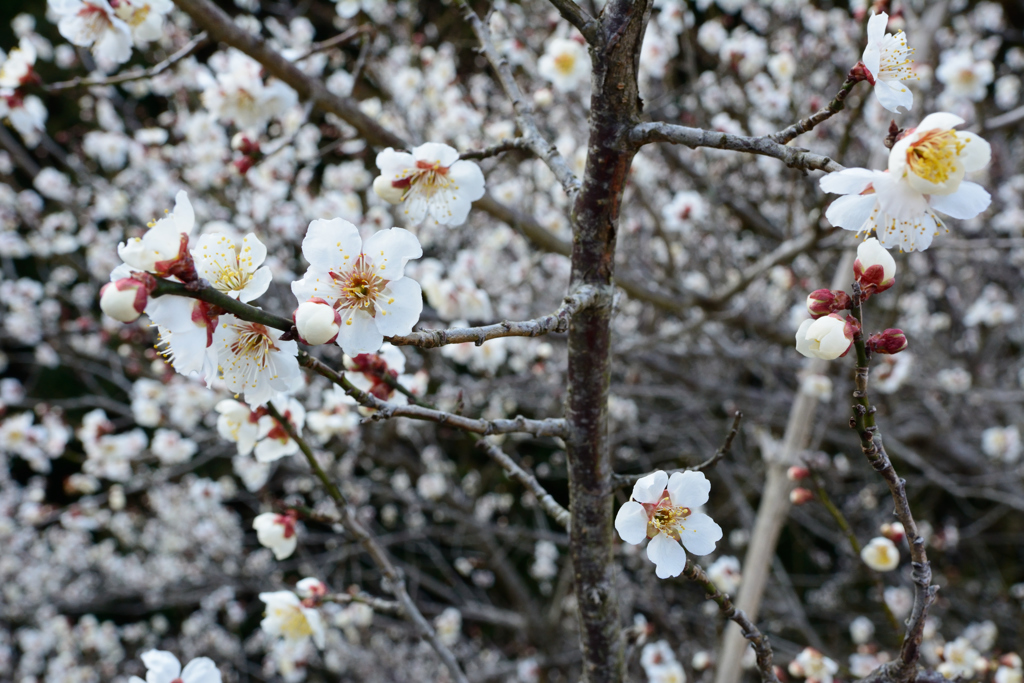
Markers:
{"x": 762, "y": 647}
{"x": 395, "y": 582}
{"x": 515, "y": 471}
{"x": 337, "y": 41}
{"x": 135, "y": 74}
{"x": 579, "y": 18}
{"x": 646, "y": 133}
{"x": 831, "y": 109}
{"x": 496, "y": 149}
{"x": 556, "y": 322}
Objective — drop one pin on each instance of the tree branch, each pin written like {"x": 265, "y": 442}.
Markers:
{"x": 646, "y": 133}
{"x": 556, "y": 322}
{"x": 832, "y": 108}
{"x": 499, "y": 148}
{"x": 395, "y": 581}
{"x": 579, "y": 18}
{"x": 515, "y": 471}
{"x": 135, "y": 74}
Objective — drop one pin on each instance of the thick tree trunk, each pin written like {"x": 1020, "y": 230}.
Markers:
{"x": 614, "y": 110}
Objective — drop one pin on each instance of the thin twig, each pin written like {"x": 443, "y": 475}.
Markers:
{"x": 579, "y": 18}
{"x": 544, "y": 499}
{"x": 395, "y": 581}
{"x": 336, "y": 41}
{"x": 136, "y": 74}
{"x": 831, "y": 109}
{"x": 496, "y": 149}
{"x": 583, "y": 298}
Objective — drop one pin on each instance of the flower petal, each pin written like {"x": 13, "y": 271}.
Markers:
{"x": 967, "y": 202}
{"x": 876, "y": 27}
{"x": 201, "y": 670}
{"x": 390, "y": 250}
{"x": 940, "y": 120}
{"x": 803, "y": 344}
{"x": 391, "y": 162}
{"x": 852, "y": 211}
{"x": 688, "y": 489}
{"x": 847, "y": 181}
{"x": 667, "y": 555}
{"x": 872, "y": 56}
{"x": 894, "y": 94}
{"x": 359, "y": 333}
{"x": 327, "y": 243}
{"x": 631, "y": 522}
{"x": 648, "y": 489}
{"x": 398, "y": 307}
{"x": 160, "y": 666}
{"x": 436, "y": 152}
{"x": 700, "y": 533}
{"x": 976, "y": 154}
{"x": 257, "y": 285}
{"x": 253, "y": 253}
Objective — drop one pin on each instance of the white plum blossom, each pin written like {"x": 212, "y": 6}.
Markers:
{"x": 1001, "y": 444}
{"x": 255, "y": 360}
{"x": 316, "y": 321}
{"x": 276, "y": 532}
{"x": 960, "y": 659}
{"x": 926, "y": 174}
{"x": 565, "y": 63}
{"x": 166, "y": 241}
{"x": 124, "y": 299}
{"x": 26, "y": 114}
{"x": 964, "y": 76}
{"x": 185, "y": 329}
{"x": 813, "y": 666}
{"x": 237, "y": 423}
{"x": 16, "y": 70}
{"x": 239, "y": 95}
{"x": 725, "y": 574}
{"x": 145, "y": 18}
{"x": 233, "y": 268}
{"x": 274, "y": 442}
{"x": 95, "y": 24}
{"x": 288, "y": 617}
{"x": 861, "y": 630}
{"x": 663, "y": 509}
{"x": 164, "y": 667}
{"x": 365, "y": 283}
{"x": 887, "y": 58}
{"x": 430, "y": 181}
{"x": 827, "y": 338}
{"x": 881, "y": 554}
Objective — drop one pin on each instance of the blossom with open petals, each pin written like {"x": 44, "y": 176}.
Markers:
{"x": 288, "y": 617}
{"x": 813, "y": 666}
{"x": 430, "y": 181}
{"x": 827, "y": 338}
{"x": 164, "y": 667}
{"x": 255, "y": 360}
{"x": 233, "y": 268}
{"x": 276, "y": 532}
{"x": 16, "y": 70}
{"x": 163, "y": 249}
{"x": 365, "y": 283}
{"x": 239, "y": 95}
{"x": 95, "y": 24}
{"x": 925, "y": 175}
{"x": 881, "y": 554}
{"x": 565, "y": 63}
{"x": 887, "y": 58}
{"x": 662, "y": 508}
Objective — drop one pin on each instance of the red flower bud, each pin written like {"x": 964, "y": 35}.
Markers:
{"x": 797, "y": 472}
{"x": 888, "y": 342}
{"x": 800, "y": 495}
{"x": 894, "y": 532}
{"x": 822, "y": 302}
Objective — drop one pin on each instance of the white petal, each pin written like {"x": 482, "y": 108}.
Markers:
{"x": 803, "y": 344}
{"x": 631, "y": 522}
{"x": 852, "y": 211}
{"x": 201, "y": 670}
{"x": 160, "y": 665}
{"x": 688, "y": 489}
{"x": 390, "y": 250}
{"x": 327, "y": 243}
{"x": 359, "y": 333}
{"x": 252, "y": 254}
{"x": 316, "y": 282}
{"x": 667, "y": 555}
{"x": 876, "y": 27}
{"x": 399, "y": 307}
{"x": 894, "y": 94}
{"x": 872, "y": 58}
{"x": 257, "y": 285}
{"x": 183, "y": 214}
{"x": 847, "y": 181}
{"x": 700, "y": 534}
{"x": 648, "y": 489}
{"x": 939, "y": 120}
{"x": 436, "y": 152}
{"x": 469, "y": 178}
{"x": 967, "y": 202}
{"x": 976, "y": 154}
{"x": 391, "y": 162}
{"x": 899, "y": 200}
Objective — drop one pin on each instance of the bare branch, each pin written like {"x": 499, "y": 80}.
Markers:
{"x": 395, "y": 581}
{"x": 495, "y": 150}
{"x": 823, "y": 114}
{"x": 584, "y": 297}
{"x": 646, "y": 133}
{"x": 337, "y": 41}
{"x": 136, "y": 74}
{"x": 546, "y": 151}
{"x": 547, "y": 503}
{"x": 579, "y": 18}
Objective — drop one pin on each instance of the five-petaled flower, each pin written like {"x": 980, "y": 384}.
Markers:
{"x": 288, "y": 617}
{"x": 926, "y": 174}
{"x": 431, "y": 180}
{"x": 164, "y": 667}
{"x": 276, "y": 532}
{"x": 163, "y": 249}
{"x": 365, "y": 283}
{"x": 663, "y": 509}
{"x": 888, "y": 61}
{"x": 232, "y": 268}
{"x": 94, "y": 23}
{"x": 255, "y": 360}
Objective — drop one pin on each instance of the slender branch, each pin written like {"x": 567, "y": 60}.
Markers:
{"x": 336, "y": 41}
{"x": 579, "y": 18}
{"x": 762, "y": 646}
{"x": 584, "y": 297}
{"x": 233, "y": 306}
{"x": 135, "y": 74}
{"x": 395, "y": 581}
{"x": 623, "y": 480}
{"x": 646, "y": 133}
{"x": 831, "y": 109}
{"x": 494, "y": 150}
{"x": 378, "y": 604}
{"x": 385, "y": 410}
{"x": 547, "y": 503}
{"x": 546, "y": 151}
{"x": 904, "y": 668}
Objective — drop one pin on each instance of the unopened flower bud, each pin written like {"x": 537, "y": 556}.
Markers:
{"x": 311, "y": 588}
{"x": 875, "y": 268}
{"x": 125, "y": 299}
{"x": 276, "y": 532}
{"x": 827, "y": 338}
{"x": 241, "y": 142}
{"x": 800, "y": 495}
{"x": 888, "y": 342}
{"x": 860, "y": 72}
{"x": 881, "y": 555}
{"x": 317, "y": 321}
{"x": 894, "y": 532}
{"x": 797, "y": 472}
{"x": 821, "y": 302}
{"x": 386, "y": 190}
